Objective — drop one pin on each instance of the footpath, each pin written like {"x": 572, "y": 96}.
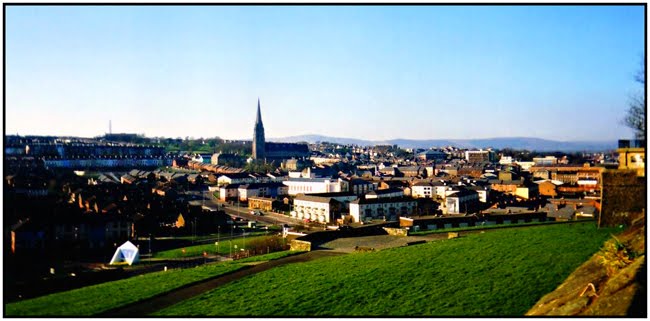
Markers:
{"x": 159, "y": 302}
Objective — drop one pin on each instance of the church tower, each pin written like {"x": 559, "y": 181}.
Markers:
{"x": 258, "y": 135}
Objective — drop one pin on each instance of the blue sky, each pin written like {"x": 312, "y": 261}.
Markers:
{"x": 368, "y": 72}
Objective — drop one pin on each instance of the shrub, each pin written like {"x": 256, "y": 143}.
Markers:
{"x": 615, "y": 255}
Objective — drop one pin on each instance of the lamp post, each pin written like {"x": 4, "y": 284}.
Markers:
{"x": 217, "y": 244}
{"x": 194, "y": 228}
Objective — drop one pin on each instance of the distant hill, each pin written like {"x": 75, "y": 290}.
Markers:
{"x": 529, "y": 143}
{"x": 318, "y": 138}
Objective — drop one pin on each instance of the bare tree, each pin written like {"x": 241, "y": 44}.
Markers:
{"x": 635, "y": 117}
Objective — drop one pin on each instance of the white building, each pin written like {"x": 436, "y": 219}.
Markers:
{"x": 315, "y": 185}
{"x": 385, "y": 193}
{"x": 442, "y": 191}
{"x": 273, "y": 189}
{"x": 227, "y": 192}
{"x": 323, "y": 208}
{"x": 505, "y": 160}
{"x": 462, "y": 202}
{"x": 422, "y": 190}
{"x": 545, "y": 161}
{"x": 325, "y": 160}
{"x": 379, "y": 208}
{"x": 525, "y": 166}
{"x": 480, "y": 156}
{"x": 235, "y": 178}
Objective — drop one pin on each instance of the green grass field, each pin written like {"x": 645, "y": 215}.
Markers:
{"x": 498, "y": 273}
{"x": 213, "y": 236}
{"x": 269, "y": 257}
{"x": 105, "y": 296}
{"x": 102, "y": 297}
{"x": 224, "y": 248}
{"x": 480, "y": 227}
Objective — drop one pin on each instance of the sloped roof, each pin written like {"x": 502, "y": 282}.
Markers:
{"x": 462, "y": 192}
{"x": 382, "y": 200}
{"x": 316, "y": 199}
{"x": 385, "y": 191}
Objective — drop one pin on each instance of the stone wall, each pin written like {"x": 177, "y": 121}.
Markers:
{"x": 623, "y": 197}
{"x": 396, "y": 231}
{"x": 298, "y": 245}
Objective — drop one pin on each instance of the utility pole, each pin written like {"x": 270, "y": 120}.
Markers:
{"x": 194, "y": 227}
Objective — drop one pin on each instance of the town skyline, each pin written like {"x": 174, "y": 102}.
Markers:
{"x": 561, "y": 73}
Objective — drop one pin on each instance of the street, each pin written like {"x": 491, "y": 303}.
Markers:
{"x": 244, "y": 212}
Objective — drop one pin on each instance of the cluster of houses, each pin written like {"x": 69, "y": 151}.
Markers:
{"x": 336, "y": 184}
{"x": 99, "y": 212}
{"x": 342, "y": 184}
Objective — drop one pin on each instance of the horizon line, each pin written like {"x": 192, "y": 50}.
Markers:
{"x": 330, "y": 137}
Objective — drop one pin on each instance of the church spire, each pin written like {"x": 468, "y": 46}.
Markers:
{"x": 258, "y": 120}
{"x": 258, "y": 135}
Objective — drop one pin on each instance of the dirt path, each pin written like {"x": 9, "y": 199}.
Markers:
{"x": 151, "y": 305}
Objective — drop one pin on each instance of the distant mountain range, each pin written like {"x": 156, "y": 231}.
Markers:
{"x": 536, "y": 144}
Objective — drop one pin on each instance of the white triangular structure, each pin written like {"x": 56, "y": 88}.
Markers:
{"x": 127, "y": 252}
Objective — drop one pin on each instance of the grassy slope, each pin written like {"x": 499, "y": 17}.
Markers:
{"x": 102, "y": 297}
{"x": 270, "y": 256}
{"x": 480, "y": 227}
{"x": 492, "y": 274}
{"x": 197, "y": 250}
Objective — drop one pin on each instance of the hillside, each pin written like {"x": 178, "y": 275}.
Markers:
{"x": 500, "y": 273}
{"x": 528, "y": 143}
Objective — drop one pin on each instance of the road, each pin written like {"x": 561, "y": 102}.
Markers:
{"x": 244, "y": 212}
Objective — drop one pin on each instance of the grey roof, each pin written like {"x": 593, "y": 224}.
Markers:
{"x": 514, "y": 182}
{"x": 317, "y": 199}
{"x": 303, "y": 179}
{"x": 261, "y": 185}
{"x": 410, "y": 168}
{"x": 230, "y": 186}
{"x": 333, "y": 194}
{"x": 359, "y": 181}
{"x": 385, "y": 191}
{"x": 462, "y": 192}
{"x": 236, "y": 175}
{"x": 564, "y": 212}
{"x": 382, "y": 200}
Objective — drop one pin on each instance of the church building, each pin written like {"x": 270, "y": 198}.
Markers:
{"x": 273, "y": 151}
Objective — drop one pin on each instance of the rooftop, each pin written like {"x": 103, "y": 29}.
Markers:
{"x": 382, "y": 200}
